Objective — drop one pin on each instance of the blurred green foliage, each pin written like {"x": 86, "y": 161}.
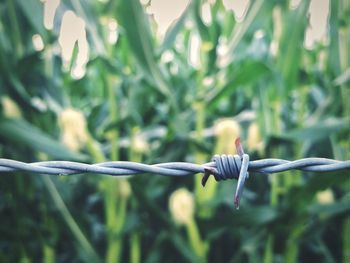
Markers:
{"x": 136, "y": 105}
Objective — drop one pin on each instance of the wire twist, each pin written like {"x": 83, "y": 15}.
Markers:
{"x": 222, "y": 167}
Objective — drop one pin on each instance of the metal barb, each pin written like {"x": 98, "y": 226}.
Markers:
{"x": 229, "y": 167}
{"x": 243, "y": 173}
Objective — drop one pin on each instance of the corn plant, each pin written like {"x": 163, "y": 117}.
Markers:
{"x": 128, "y": 88}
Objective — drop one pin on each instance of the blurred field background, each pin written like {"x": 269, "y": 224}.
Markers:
{"x": 158, "y": 81}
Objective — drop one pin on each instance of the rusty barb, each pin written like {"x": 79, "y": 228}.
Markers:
{"x": 230, "y": 167}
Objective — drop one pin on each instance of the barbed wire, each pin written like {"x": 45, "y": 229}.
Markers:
{"x": 222, "y": 167}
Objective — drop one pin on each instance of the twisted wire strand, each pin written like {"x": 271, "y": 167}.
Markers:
{"x": 224, "y": 166}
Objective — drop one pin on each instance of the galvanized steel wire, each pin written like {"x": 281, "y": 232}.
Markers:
{"x": 120, "y": 168}
{"x": 222, "y": 167}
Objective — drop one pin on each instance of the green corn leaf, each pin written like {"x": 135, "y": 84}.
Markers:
{"x": 140, "y": 41}
{"x": 33, "y": 10}
{"x": 243, "y": 76}
{"x": 256, "y": 10}
{"x": 290, "y": 46}
{"x": 174, "y": 30}
{"x": 20, "y": 132}
{"x": 321, "y": 130}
